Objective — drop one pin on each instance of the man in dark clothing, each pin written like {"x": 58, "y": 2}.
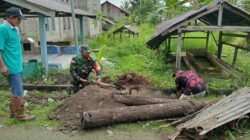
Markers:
{"x": 188, "y": 83}
{"x": 80, "y": 68}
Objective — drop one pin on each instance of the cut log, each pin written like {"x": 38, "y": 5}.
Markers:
{"x": 141, "y": 100}
{"x": 98, "y": 118}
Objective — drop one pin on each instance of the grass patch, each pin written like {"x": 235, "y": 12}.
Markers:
{"x": 41, "y": 113}
{"x": 158, "y": 125}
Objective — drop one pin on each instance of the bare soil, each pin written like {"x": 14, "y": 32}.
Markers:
{"x": 36, "y": 98}
{"x": 89, "y": 98}
{"x": 132, "y": 80}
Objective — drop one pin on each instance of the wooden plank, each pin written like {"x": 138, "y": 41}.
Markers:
{"x": 178, "y": 50}
{"x": 214, "y": 39}
{"x": 220, "y": 45}
{"x": 207, "y": 40}
{"x": 235, "y": 35}
{"x": 235, "y": 56}
{"x": 220, "y": 14}
{"x": 217, "y": 28}
{"x": 237, "y": 46}
{"x": 175, "y": 37}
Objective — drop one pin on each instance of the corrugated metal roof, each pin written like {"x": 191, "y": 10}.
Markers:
{"x": 128, "y": 27}
{"x": 208, "y": 14}
{"x": 60, "y": 9}
{"x": 230, "y": 108}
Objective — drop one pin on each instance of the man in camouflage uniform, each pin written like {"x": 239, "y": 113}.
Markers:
{"x": 80, "y": 68}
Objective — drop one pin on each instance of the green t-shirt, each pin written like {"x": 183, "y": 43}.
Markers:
{"x": 10, "y": 48}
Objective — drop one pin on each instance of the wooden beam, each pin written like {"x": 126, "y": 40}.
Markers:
{"x": 178, "y": 50}
{"x": 220, "y": 45}
{"x": 235, "y": 35}
{"x": 174, "y": 37}
{"x": 214, "y": 39}
{"x": 235, "y": 56}
{"x": 217, "y": 28}
{"x": 237, "y": 46}
{"x": 207, "y": 40}
{"x": 220, "y": 14}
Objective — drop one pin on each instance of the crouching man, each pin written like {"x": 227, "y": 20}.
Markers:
{"x": 188, "y": 83}
{"x": 80, "y": 68}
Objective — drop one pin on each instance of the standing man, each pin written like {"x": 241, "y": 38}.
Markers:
{"x": 11, "y": 62}
{"x": 80, "y": 68}
{"x": 188, "y": 83}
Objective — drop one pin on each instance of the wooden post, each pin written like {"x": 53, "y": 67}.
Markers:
{"x": 235, "y": 56}
{"x": 220, "y": 44}
{"x": 169, "y": 42}
{"x": 178, "y": 49}
{"x": 207, "y": 40}
{"x": 120, "y": 36}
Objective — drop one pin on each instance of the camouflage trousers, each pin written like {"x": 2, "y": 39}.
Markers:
{"x": 75, "y": 86}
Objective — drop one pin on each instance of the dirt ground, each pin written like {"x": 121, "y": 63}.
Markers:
{"x": 36, "y": 133}
{"x": 89, "y": 98}
{"x": 133, "y": 79}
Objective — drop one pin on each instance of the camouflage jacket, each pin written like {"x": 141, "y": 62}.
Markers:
{"x": 81, "y": 68}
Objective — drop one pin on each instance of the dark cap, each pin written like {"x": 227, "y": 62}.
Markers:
{"x": 176, "y": 70}
{"x": 85, "y": 49}
{"x": 15, "y": 12}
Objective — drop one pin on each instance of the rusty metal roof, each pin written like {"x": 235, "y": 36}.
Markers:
{"x": 232, "y": 16}
{"x": 230, "y": 108}
{"x": 47, "y": 7}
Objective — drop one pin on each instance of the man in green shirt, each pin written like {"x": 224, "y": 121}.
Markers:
{"x": 11, "y": 61}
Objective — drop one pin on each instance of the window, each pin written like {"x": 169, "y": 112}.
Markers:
{"x": 27, "y": 46}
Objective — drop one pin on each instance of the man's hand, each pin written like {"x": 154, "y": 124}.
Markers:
{"x": 98, "y": 82}
{"x": 4, "y": 71}
{"x": 179, "y": 93}
{"x": 85, "y": 82}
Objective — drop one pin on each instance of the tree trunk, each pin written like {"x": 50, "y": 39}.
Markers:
{"x": 98, "y": 118}
{"x": 141, "y": 100}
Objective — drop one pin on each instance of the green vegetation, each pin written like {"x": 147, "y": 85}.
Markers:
{"x": 41, "y": 112}
{"x": 132, "y": 55}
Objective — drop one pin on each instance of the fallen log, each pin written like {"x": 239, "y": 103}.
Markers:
{"x": 141, "y": 100}
{"x": 98, "y": 118}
